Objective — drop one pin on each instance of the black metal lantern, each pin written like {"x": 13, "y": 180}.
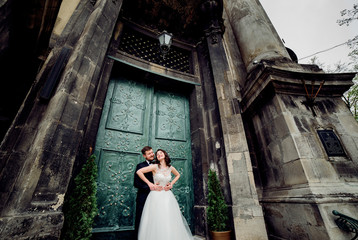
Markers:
{"x": 165, "y": 41}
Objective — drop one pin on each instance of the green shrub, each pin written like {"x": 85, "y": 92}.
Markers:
{"x": 81, "y": 207}
{"x": 217, "y": 211}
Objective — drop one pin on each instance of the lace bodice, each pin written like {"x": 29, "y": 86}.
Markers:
{"x": 162, "y": 176}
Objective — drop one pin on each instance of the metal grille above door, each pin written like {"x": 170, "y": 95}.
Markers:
{"x": 147, "y": 48}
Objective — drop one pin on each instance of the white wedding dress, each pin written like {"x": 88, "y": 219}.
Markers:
{"x": 161, "y": 217}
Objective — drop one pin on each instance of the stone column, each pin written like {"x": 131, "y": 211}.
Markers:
{"x": 246, "y": 211}
{"x": 286, "y": 106}
{"x": 64, "y": 14}
{"x": 254, "y": 32}
{"x": 40, "y": 148}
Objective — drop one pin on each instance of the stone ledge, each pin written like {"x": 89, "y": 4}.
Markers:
{"x": 196, "y": 237}
{"x": 270, "y": 80}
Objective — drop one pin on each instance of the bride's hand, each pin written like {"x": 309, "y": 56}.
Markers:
{"x": 168, "y": 186}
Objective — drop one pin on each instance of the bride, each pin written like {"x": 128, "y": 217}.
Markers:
{"x": 161, "y": 217}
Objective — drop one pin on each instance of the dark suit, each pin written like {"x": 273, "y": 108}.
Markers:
{"x": 142, "y": 194}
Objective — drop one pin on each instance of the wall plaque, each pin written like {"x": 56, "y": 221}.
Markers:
{"x": 331, "y": 143}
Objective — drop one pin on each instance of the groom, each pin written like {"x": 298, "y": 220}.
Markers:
{"x": 143, "y": 189}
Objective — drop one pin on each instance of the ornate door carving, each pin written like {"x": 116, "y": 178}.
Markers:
{"x": 171, "y": 132}
{"x": 136, "y": 115}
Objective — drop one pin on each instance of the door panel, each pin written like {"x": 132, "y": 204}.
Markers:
{"x": 170, "y": 116}
{"x": 127, "y": 108}
{"x": 116, "y": 198}
{"x": 172, "y": 133}
{"x": 135, "y": 115}
{"x": 122, "y": 133}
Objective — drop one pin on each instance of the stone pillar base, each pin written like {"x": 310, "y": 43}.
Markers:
{"x": 307, "y": 221}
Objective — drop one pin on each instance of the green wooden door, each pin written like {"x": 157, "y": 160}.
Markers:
{"x": 135, "y": 115}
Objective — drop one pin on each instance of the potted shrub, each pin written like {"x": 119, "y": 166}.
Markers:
{"x": 217, "y": 210}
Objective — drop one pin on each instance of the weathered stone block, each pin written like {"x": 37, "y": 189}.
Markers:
{"x": 66, "y": 140}
{"x": 9, "y": 176}
{"x": 294, "y": 221}
{"x": 281, "y": 129}
{"x": 200, "y": 216}
{"x": 71, "y": 113}
{"x": 275, "y": 153}
{"x": 34, "y": 226}
{"x": 236, "y": 142}
{"x": 303, "y": 148}
{"x": 293, "y": 173}
{"x": 346, "y": 170}
{"x": 52, "y": 181}
{"x": 289, "y": 148}
{"x": 247, "y": 228}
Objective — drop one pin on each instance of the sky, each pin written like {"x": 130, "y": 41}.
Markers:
{"x": 310, "y": 26}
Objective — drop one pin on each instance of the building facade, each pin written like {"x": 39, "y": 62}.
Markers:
{"x": 228, "y": 96}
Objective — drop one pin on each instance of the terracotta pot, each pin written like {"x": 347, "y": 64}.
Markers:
{"x": 221, "y": 235}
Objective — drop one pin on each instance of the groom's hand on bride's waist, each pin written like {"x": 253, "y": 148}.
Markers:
{"x": 157, "y": 187}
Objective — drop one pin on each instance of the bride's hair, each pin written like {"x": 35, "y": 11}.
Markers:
{"x": 166, "y": 158}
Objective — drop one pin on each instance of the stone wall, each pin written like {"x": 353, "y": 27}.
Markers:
{"x": 5, "y": 23}
{"x": 287, "y": 134}
{"x": 41, "y": 147}
{"x": 301, "y": 183}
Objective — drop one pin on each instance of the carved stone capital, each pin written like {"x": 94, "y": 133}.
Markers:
{"x": 212, "y": 17}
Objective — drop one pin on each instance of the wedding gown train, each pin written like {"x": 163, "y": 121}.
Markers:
{"x": 161, "y": 217}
